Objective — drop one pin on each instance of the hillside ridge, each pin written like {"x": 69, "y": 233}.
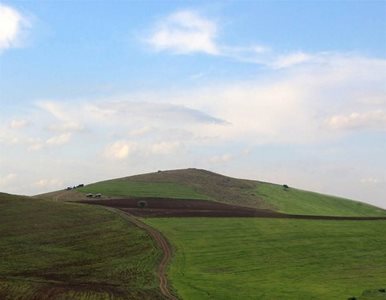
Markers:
{"x": 202, "y": 184}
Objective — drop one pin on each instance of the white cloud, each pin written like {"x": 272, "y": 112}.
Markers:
{"x": 70, "y": 126}
{"x": 141, "y": 131}
{"x": 185, "y": 32}
{"x": 18, "y": 124}
{"x": 49, "y": 184}
{"x": 220, "y": 158}
{"x": 123, "y": 149}
{"x": 58, "y": 110}
{"x": 59, "y": 139}
{"x": 293, "y": 106}
{"x": 165, "y": 147}
{"x": 370, "y": 180}
{"x": 35, "y": 146}
{"x": 289, "y": 60}
{"x": 7, "y": 180}
{"x": 120, "y": 149}
{"x": 359, "y": 120}
{"x": 303, "y": 104}
{"x": 8, "y": 137}
{"x": 12, "y": 26}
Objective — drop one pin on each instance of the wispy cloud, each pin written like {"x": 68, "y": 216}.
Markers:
{"x": 59, "y": 139}
{"x": 293, "y": 105}
{"x": 12, "y": 27}
{"x": 185, "y": 32}
{"x": 188, "y": 31}
{"x": 370, "y": 181}
{"x": 292, "y": 59}
{"x": 120, "y": 149}
{"x": 49, "y": 184}
{"x": 125, "y": 149}
{"x": 7, "y": 180}
{"x": 165, "y": 147}
{"x": 217, "y": 159}
{"x": 18, "y": 124}
{"x": 359, "y": 121}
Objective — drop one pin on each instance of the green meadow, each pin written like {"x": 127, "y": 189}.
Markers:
{"x": 56, "y": 250}
{"x": 245, "y": 258}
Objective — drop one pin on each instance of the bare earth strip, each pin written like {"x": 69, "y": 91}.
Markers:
{"x": 166, "y": 207}
{"x": 165, "y": 247}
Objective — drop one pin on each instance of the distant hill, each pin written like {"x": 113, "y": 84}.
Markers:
{"x": 206, "y": 185}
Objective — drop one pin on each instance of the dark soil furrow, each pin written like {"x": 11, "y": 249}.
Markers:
{"x": 166, "y": 207}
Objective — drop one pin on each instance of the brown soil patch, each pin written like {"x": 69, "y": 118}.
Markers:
{"x": 165, "y": 207}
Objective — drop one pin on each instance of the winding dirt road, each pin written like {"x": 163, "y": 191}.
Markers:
{"x": 165, "y": 247}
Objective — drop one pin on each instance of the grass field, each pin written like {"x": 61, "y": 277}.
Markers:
{"x": 55, "y": 250}
{"x": 271, "y": 259}
{"x": 294, "y": 201}
{"x": 123, "y": 188}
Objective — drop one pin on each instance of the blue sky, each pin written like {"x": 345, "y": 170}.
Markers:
{"x": 279, "y": 91}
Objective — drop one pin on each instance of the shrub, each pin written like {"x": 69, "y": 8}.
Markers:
{"x": 142, "y": 204}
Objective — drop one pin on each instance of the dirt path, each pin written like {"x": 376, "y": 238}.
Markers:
{"x": 165, "y": 247}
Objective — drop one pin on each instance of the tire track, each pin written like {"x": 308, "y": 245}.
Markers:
{"x": 165, "y": 247}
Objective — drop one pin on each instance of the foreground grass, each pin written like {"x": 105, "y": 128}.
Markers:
{"x": 124, "y": 188}
{"x": 53, "y": 250}
{"x": 294, "y": 201}
{"x": 218, "y": 258}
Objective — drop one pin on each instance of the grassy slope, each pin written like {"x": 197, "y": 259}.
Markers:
{"x": 275, "y": 259}
{"x": 201, "y": 184}
{"x": 296, "y": 201}
{"x": 121, "y": 187}
{"x": 54, "y": 250}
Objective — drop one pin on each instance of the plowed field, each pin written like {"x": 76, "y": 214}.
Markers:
{"x": 167, "y": 207}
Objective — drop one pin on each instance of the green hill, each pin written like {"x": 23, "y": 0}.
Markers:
{"x": 205, "y": 185}
{"x": 58, "y": 250}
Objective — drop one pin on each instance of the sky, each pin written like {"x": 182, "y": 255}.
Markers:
{"x": 291, "y": 92}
